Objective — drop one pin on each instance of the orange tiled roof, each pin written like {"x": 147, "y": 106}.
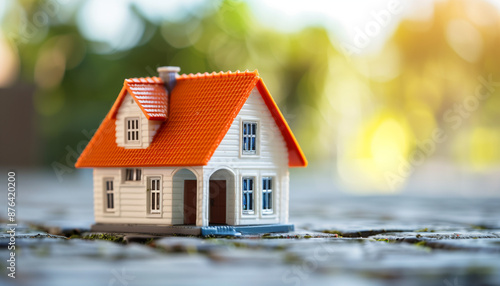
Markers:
{"x": 202, "y": 108}
{"x": 150, "y": 95}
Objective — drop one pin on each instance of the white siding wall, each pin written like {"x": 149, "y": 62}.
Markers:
{"x": 273, "y": 152}
{"x": 271, "y": 160}
{"x": 129, "y": 108}
{"x": 132, "y": 198}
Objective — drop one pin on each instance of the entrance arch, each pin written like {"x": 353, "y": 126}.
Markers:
{"x": 184, "y": 189}
{"x": 221, "y": 197}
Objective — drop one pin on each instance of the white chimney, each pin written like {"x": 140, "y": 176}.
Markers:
{"x": 168, "y": 74}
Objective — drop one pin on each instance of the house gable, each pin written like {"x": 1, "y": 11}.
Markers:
{"x": 296, "y": 157}
{"x": 271, "y": 146}
{"x": 130, "y": 110}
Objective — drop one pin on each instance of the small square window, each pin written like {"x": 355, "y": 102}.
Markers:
{"x": 132, "y": 175}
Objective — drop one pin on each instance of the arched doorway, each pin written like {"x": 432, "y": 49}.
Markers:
{"x": 184, "y": 189}
{"x": 221, "y": 197}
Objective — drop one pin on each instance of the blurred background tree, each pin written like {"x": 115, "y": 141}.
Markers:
{"x": 368, "y": 114}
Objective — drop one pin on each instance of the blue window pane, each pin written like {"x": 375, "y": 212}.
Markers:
{"x": 270, "y": 201}
{"x": 250, "y": 201}
{"x": 253, "y": 144}
{"x": 247, "y": 194}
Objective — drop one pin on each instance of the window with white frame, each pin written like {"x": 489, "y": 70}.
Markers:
{"x": 132, "y": 175}
{"x": 248, "y": 195}
{"x": 132, "y": 130}
{"x": 154, "y": 195}
{"x": 267, "y": 195}
{"x": 249, "y": 138}
{"x": 110, "y": 195}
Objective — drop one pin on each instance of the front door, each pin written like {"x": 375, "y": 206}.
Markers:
{"x": 217, "y": 202}
{"x": 190, "y": 202}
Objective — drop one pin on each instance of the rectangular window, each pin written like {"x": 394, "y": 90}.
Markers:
{"x": 154, "y": 195}
{"x": 133, "y": 174}
{"x": 247, "y": 196}
{"x": 110, "y": 196}
{"x": 267, "y": 195}
{"x": 249, "y": 142}
{"x": 132, "y": 130}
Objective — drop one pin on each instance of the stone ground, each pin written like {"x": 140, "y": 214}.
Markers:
{"x": 340, "y": 239}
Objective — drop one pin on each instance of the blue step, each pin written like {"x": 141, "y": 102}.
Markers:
{"x": 226, "y": 230}
{"x": 222, "y": 230}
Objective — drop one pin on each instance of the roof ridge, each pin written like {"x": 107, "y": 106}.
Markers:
{"x": 158, "y": 80}
{"x": 143, "y": 80}
{"x": 214, "y": 74}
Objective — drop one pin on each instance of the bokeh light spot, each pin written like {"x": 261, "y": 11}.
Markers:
{"x": 9, "y": 67}
{"x": 389, "y": 144}
{"x": 465, "y": 40}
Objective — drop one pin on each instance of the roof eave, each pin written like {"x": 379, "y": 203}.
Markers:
{"x": 296, "y": 157}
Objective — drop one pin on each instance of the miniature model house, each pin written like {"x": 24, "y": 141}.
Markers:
{"x": 203, "y": 149}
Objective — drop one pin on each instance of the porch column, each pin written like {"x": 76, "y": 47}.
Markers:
{"x": 201, "y": 199}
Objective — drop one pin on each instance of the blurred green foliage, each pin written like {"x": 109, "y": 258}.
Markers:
{"x": 366, "y": 113}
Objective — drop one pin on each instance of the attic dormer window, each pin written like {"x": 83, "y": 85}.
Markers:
{"x": 132, "y": 130}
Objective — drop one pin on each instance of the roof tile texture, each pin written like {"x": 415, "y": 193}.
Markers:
{"x": 151, "y": 96}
